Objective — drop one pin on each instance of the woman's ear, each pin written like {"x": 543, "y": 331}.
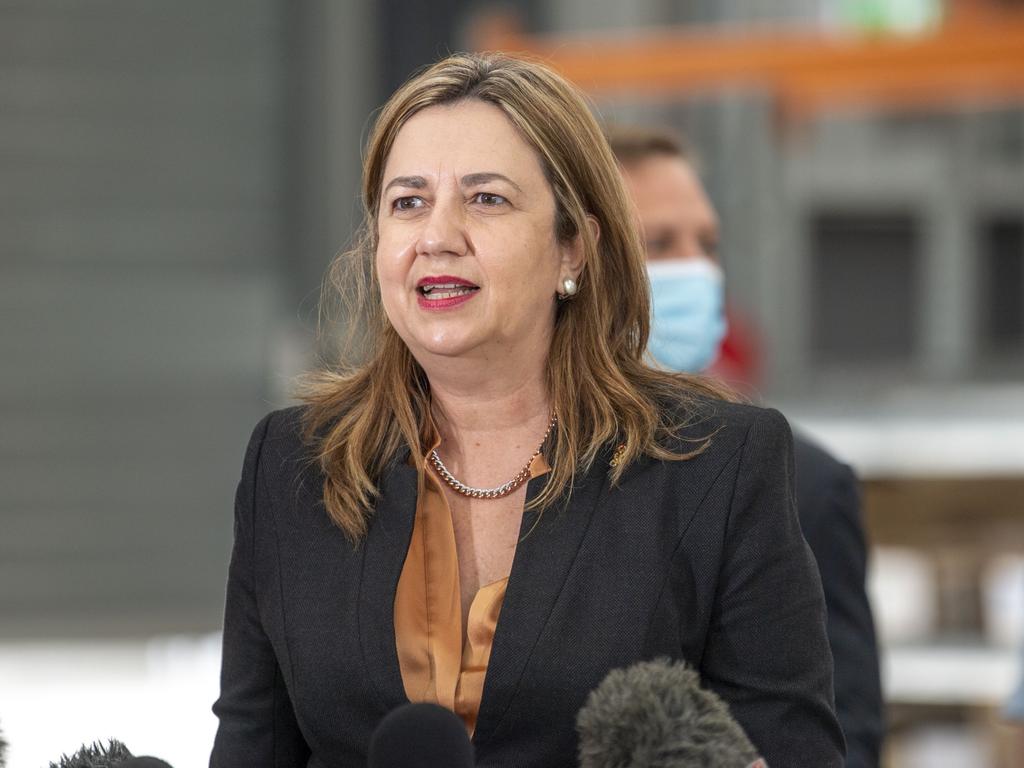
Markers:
{"x": 574, "y": 252}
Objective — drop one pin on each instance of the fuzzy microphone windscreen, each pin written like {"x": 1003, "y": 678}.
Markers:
{"x": 96, "y": 756}
{"x": 656, "y": 715}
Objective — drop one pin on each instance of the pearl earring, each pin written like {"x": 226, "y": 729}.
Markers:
{"x": 569, "y": 286}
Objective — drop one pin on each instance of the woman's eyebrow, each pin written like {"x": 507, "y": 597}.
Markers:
{"x": 413, "y": 182}
{"x": 476, "y": 179}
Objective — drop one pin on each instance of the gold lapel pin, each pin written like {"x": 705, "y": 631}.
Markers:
{"x": 617, "y": 456}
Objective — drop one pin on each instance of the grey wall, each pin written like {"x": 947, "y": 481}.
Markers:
{"x": 154, "y": 159}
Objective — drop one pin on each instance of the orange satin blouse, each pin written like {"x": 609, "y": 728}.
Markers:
{"x": 436, "y": 665}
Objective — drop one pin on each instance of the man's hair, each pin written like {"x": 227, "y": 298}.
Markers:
{"x": 633, "y": 144}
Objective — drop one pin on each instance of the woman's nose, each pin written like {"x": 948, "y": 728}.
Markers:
{"x": 443, "y": 231}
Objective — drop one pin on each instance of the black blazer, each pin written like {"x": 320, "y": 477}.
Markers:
{"x": 828, "y": 501}
{"x": 701, "y": 560}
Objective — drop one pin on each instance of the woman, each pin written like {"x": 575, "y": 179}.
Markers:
{"x": 504, "y": 501}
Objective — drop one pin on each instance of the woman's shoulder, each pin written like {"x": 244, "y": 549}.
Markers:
{"x": 688, "y": 408}
{"x": 279, "y": 438}
{"x": 282, "y": 425}
{"x": 699, "y": 416}
{"x": 287, "y": 423}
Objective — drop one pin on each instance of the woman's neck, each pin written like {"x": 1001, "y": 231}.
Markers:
{"x": 470, "y": 409}
{"x": 489, "y": 388}
{"x": 489, "y": 425}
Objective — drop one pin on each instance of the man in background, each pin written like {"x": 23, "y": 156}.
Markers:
{"x": 680, "y": 227}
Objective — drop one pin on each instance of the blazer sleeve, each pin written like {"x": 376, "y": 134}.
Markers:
{"x": 767, "y": 653}
{"x": 257, "y": 726}
{"x": 836, "y": 537}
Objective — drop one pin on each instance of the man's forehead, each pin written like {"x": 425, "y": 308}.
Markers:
{"x": 665, "y": 182}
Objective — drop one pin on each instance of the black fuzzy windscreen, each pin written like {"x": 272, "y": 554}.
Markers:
{"x": 95, "y": 756}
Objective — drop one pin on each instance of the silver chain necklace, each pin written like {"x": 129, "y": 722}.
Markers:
{"x": 489, "y": 493}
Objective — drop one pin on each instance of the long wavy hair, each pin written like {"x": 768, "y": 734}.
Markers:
{"x": 363, "y": 411}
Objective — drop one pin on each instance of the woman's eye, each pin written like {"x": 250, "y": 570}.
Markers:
{"x": 406, "y": 203}
{"x": 488, "y": 198}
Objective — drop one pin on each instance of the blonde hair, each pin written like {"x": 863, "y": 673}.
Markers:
{"x": 605, "y": 394}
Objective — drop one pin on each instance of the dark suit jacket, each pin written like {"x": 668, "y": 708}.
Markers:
{"x": 829, "y": 505}
{"x": 701, "y": 560}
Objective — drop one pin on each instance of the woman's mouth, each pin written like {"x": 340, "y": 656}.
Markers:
{"x": 441, "y": 293}
{"x": 445, "y": 291}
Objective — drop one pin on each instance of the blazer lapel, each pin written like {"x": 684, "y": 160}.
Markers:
{"x": 384, "y": 551}
{"x": 546, "y": 551}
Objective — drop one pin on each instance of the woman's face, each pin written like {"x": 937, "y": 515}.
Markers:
{"x": 467, "y": 257}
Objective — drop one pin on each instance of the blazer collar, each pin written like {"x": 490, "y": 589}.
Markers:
{"x": 384, "y": 550}
{"x": 547, "y": 548}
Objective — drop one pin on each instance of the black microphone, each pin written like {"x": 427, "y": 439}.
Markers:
{"x": 656, "y": 715}
{"x": 114, "y": 755}
{"x": 420, "y": 736}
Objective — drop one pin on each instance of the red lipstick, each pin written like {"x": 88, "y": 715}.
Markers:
{"x": 444, "y": 291}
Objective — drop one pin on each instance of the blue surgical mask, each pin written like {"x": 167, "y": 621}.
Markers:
{"x": 688, "y": 319}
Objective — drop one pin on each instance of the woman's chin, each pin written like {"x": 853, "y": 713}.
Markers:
{"x": 446, "y": 347}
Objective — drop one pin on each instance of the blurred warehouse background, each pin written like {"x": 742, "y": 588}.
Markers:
{"x": 175, "y": 177}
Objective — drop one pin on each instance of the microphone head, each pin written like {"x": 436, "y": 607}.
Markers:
{"x": 96, "y": 756}
{"x": 420, "y": 736}
{"x": 656, "y": 715}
